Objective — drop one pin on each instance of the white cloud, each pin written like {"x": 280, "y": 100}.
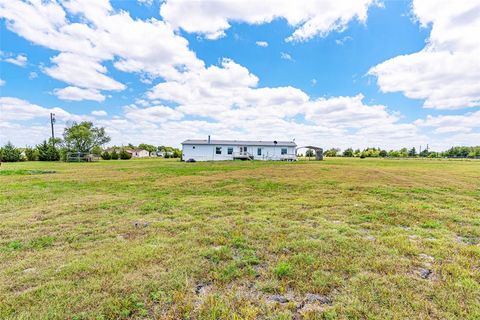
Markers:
{"x": 155, "y": 114}
{"x": 2, "y": 82}
{"x": 286, "y": 56}
{"x": 20, "y": 60}
{"x": 342, "y": 41}
{"x": 99, "y": 113}
{"x": 78, "y": 94}
{"x": 32, "y": 75}
{"x": 146, "y": 2}
{"x": 263, "y": 44}
{"x": 310, "y": 18}
{"x": 446, "y": 73}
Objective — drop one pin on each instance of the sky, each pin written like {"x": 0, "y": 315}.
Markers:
{"x": 328, "y": 73}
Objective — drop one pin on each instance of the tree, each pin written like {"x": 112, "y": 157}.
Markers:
{"x": 106, "y": 156}
{"x": 383, "y": 153}
{"x": 147, "y": 147}
{"x": 83, "y": 137}
{"x": 31, "y": 154}
{"x": 412, "y": 152}
{"x": 47, "y": 152}
{"x": 331, "y": 152}
{"x": 114, "y": 155}
{"x": 124, "y": 155}
{"x": 309, "y": 153}
{"x": 348, "y": 152}
{"x": 9, "y": 153}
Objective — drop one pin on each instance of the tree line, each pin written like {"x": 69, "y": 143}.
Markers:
{"x": 453, "y": 152}
{"x": 81, "y": 137}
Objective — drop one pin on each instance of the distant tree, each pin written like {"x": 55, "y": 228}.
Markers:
{"x": 383, "y": 153}
{"x": 177, "y": 153}
{"x": 424, "y": 154}
{"x": 83, "y": 137}
{"x": 124, "y": 155}
{"x": 403, "y": 152}
{"x": 114, "y": 155}
{"x": 97, "y": 150}
{"x": 31, "y": 154}
{"x": 310, "y": 153}
{"x": 348, "y": 152}
{"x": 47, "y": 152}
{"x": 412, "y": 152}
{"x": 331, "y": 152}
{"x": 10, "y": 154}
{"x": 147, "y": 147}
{"x": 106, "y": 156}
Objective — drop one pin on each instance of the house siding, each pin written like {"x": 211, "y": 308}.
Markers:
{"x": 207, "y": 152}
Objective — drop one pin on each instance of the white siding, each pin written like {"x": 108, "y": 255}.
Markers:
{"x": 207, "y": 152}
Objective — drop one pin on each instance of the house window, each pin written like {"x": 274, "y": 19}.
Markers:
{"x": 284, "y": 150}
{"x": 230, "y": 150}
{"x": 218, "y": 150}
{"x": 259, "y": 151}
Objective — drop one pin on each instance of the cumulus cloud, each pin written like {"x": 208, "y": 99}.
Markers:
{"x": 2, "y": 82}
{"x": 286, "y": 56}
{"x": 446, "y": 73}
{"x": 20, "y": 60}
{"x": 99, "y": 113}
{"x": 263, "y": 44}
{"x": 78, "y": 94}
{"x": 309, "y": 18}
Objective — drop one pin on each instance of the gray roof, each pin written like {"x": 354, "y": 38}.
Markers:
{"x": 242, "y": 143}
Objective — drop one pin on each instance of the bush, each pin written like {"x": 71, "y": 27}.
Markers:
{"x": 10, "y": 154}
{"x": 114, "y": 155}
{"x": 106, "y": 156}
{"x": 31, "y": 154}
{"x": 124, "y": 155}
{"x": 47, "y": 152}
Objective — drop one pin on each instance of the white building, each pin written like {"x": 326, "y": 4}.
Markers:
{"x": 138, "y": 153}
{"x": 214, "y": 150}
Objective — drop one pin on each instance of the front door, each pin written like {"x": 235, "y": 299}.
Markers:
{"x": 243, "y": 150}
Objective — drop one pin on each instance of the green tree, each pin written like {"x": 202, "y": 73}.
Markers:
{"x": 124, "y": 155}
{"x": 331, "y": 152}
{"x": 383, "y": 153}
{"x": 348, "y": 152}
{"x": 83, "y": 137}
{"x": 106, "y": 156}
{"x": 147, "y": 147}
{"x": 114, "y": 155}
{"x": 310, "y": 153}
{"x": 412, "y": 152}
{"x": 10, "y": 154}
{"x": 47, "y": 152}
{"x": 31, "y": 154}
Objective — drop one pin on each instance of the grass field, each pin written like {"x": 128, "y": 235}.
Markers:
{"x": 342, "y": 238}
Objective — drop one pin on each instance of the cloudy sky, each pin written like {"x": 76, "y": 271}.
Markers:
{"x": 329, "y": 73}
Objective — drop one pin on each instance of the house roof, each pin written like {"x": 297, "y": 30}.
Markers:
{"x": 241, "y": 143}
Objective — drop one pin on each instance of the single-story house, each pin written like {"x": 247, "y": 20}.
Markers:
{"x": 136, "y": 153}
{"x": 214, "y": 150}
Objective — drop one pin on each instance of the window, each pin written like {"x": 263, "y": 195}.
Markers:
{"x": 218, "y": 150}
{"x": 230, "y": 150}
{"x": 284, "y": 150}
{"x": 193, "y": 147}
{"x": 259, "y": 151}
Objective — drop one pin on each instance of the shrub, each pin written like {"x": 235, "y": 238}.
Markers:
{"x": 47, "y": 152}
{"x": 124, "y": 155}
{"x": 114, "y": 155}
{"x": 10, "y": 154}
{"x": 31, "y": 154}
{"x": 106, "y": 156}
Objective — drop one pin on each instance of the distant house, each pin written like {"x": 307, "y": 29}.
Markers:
{"x": 215, "y": 150}
{"x": 136, "y": 153}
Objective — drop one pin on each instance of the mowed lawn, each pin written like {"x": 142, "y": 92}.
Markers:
{"x": 160, "y": 239}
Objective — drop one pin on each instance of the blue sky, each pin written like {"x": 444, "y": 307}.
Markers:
{"x": 366, "y": 73}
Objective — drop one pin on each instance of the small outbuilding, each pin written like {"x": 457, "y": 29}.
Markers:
{"x": 217, "y": 150}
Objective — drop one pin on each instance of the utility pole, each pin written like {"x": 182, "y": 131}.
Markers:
{"x": 52, "y": 121}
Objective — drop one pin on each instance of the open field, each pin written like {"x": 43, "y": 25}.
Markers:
{"x": 342, "y": 238}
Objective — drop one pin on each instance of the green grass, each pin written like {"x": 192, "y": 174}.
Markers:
{"x": 146, "y": 239}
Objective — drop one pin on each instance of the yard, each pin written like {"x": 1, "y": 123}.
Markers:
{"x": 342, "y": 238}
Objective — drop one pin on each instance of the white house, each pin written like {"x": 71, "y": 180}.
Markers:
{"x": 208, "y": 150}
{"x": 138, "y": 153}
